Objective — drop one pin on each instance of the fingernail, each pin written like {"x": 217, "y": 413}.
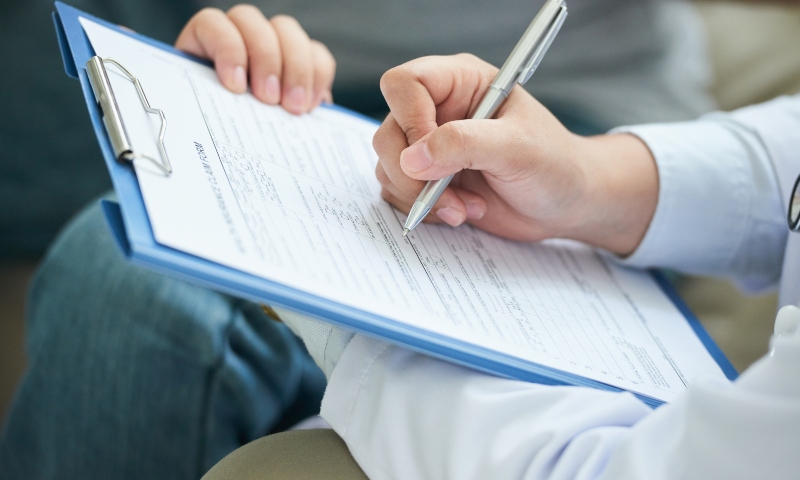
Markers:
{"x": 475, "y": 211}
{"x": 415, "y": 158}
{"x": 296, "y": 99}
{"x": 272, "y": 90}
{"x": 450, "y": 216}
{"x": 239, "y": 78}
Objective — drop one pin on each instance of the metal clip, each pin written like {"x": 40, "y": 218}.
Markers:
{"x": 101, "y": 85}
{"x": 544, "y": 44}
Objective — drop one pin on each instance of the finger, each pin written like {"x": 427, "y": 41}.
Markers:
{"x": 451, "y": 208}
{"x": 402, "y": 198}
{"x": 298, "y": 66}
{"x": 263, "y": 52}
{"x": 429, "y": 91}
{"x": 474, "y": 205}
{"x": 461, "y": 207}
{"x": 406, "y": 207}
{"x": 465, "y": 144}
{"x": 396, "y": 202}
{"x": 211, "y": 34}
{"x": 324, "y": 71}
{"x": 389, "y": 141}
{"x": 454, "y": 207}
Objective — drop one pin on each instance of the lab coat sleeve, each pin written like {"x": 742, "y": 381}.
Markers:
{"x": 405, "y": 415}
{"x": 721, "y": 208}
{"x": 721, "y": 211}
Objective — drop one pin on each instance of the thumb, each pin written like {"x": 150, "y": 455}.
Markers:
{"x": 456, "y": 146}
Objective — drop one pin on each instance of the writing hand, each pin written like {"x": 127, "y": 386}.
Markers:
{"x": 284, "y": 65}
{"x": 521, "y": 175}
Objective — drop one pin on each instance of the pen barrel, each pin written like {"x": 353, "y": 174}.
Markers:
{"x": 433, "y": 190}
{"x": 509, "y": 73}
{"x": 494, "y": 97}
{"x": 425, "y": 201}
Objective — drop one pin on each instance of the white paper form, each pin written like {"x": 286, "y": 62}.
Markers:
{"x": 294, "y": 199}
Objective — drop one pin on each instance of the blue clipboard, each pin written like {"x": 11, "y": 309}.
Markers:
{"x": 131, "y": 228}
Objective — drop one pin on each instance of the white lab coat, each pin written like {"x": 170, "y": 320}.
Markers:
{"x": 724, "y": 187}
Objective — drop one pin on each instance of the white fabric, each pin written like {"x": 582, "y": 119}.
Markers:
{"x": 720, "y": 208}
{"x": 324, "y": 342}
{"x": 404, "y": 415}
{"x": 787, "y": 321}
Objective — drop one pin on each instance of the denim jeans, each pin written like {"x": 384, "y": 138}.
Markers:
{"x": 135, "y": 375}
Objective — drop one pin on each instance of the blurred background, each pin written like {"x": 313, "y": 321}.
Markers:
{"x": 51, "y": 167}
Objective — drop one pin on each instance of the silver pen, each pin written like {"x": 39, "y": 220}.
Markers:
{"x": 518, "y": 68}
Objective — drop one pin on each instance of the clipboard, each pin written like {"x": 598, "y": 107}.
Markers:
{"x": 129, "y": 223}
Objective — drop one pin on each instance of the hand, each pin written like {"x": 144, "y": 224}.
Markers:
{"x": 521, "y": 175}
{"x": 285, "y": 66}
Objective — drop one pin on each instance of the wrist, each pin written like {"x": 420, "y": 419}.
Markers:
{"x": 621, "y": 192}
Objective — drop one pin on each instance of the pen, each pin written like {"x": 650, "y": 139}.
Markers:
{"x": 518, "y": 68}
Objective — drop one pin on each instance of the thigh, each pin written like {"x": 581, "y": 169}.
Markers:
{"x": 290, "y": 455}
{"x": 136, "y": 375}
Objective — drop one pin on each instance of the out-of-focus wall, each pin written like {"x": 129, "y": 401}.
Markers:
{"x": 50, "y": 164}
{"x": 755, "y": 51}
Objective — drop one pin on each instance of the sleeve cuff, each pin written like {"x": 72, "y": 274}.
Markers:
{"x": 703, "y": 198}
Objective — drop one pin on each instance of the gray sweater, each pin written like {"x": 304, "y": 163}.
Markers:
{"x": 614, "y": 62}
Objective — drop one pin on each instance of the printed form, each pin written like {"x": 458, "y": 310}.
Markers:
{"x": 294, "y": 199}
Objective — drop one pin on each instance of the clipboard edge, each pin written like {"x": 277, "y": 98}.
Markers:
{"x": 113, "y": 215}
{"x": 64, "y": 46}
{"x": 708, "y": 342}
{"x": 141, "y": 249}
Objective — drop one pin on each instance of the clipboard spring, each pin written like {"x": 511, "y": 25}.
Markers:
{"x": 104, "y": 94}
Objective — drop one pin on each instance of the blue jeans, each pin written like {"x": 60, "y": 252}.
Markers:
{"x": 135, "y": 375}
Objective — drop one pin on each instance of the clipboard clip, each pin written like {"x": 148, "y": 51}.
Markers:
{"x": 104, "y": 94}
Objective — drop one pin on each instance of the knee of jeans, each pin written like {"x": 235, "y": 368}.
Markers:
{"x": 85, "y": 288}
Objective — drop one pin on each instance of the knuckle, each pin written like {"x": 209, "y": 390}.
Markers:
{"x": 474, "y": 60}
{"x": 206, "y": 18}
{"x": 382, "y": 139}
{"x": 208, "y": 13}
{"x": 392, "y": 79}
{"x": 386, "y": 195}
{"x": 243, "y": 10}
{"x": 452, "y": 141}
{"x": 415, "y": 127}
{"x": 467, "y": 57}
{"x": 285, "y": 20}
{"x": 477, "y": 64}
{"x": 383, "y": 146}
{"x": 378, "y": 142}
{"x": 382, "y": 176}
{"x": 416, "y": 124}
{"x": 324, "y": 54}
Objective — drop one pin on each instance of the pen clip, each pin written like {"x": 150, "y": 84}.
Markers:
{"x": 112, "y": 118}
{"x": 543, "y": 45}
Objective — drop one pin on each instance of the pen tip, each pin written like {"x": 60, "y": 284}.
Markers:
{"x": 405, "y": 232}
